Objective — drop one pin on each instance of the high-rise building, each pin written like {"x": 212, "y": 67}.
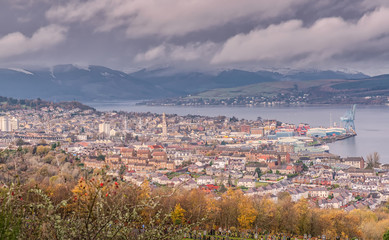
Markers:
{"x": 8, "y": 124}
{"x": 164, "y": 126}
{"x": 14, "y": 123}
{"x": 4, "y": 124}
{"x": 125, "y": 128}
{"x": 105, "y": 128}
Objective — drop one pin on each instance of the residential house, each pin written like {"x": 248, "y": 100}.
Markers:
{"x": 357, "y": 162}
{"x": 246, "y": 182}
{"x": 319, "y": 192}
{"x": 204, "y": 180}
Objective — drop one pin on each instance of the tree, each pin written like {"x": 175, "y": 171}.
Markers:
{"x": 338, "y": 223}
{"x": 285, "y": 215}
{"x": 42, "y": 150}
{"x": 247, "y": 213}
{"x": 386, "y": 235}
{"x": 229, "y": 208}
{"x": 178, "y": 215}
{"x": 373, "y": 160}
{"x": 212, "y": 209}
{"x": 145, "y": 190}
{"x": 258, "y": 171}
{"x": 305, "y": 168}
{"x": 266, "y": 209}
{"x": 195, "y": 202}
{"x": 234, "y": 119}
{"x": 303, "y": 218}
{"x": 222, "y": 188}
{"x": 122, "y": 169}
{"x": 53, "y": 146}
{"x": 20, "y": 142}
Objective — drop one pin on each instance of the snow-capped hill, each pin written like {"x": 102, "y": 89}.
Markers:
{"x": 21, "y": 70}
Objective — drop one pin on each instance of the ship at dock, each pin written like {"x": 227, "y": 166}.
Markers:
{"x": 333, "y": 134}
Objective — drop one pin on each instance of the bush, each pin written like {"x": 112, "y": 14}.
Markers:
{"x": 97, "y": 209}
{"x": 386, "y": 235}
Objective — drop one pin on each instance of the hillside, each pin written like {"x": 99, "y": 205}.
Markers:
{"x": 319, "y": 91}
{"x": 97, "y": 83}
{"x": 67, "y": 82}
{"x": 195, "y": 82}
{"x": 7, "y": 104}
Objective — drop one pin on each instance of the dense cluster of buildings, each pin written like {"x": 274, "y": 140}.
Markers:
{"x": 262, "y": 157}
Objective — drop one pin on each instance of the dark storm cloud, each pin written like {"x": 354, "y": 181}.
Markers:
{"x": 124, "y": 34}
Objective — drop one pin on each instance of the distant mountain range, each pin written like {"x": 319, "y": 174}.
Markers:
{"x": 68, "y": 82}
{"x": 94, "y": 83}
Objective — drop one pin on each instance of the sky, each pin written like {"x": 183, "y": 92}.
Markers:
{"x": 128, "y": 35}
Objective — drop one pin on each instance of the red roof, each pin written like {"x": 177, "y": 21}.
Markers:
{"x": 126, "y": 149}
{"x": 212, "y": 187}
{"x": 155, "y": 147}
{"x": 84, "y": 144}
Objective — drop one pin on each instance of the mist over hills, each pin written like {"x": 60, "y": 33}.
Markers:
{"x": 94, "y": 83}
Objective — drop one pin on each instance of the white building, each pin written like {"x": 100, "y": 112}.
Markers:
{"x": 104, "y": 128}
{"x": 82, "y": 137}
{"x": 112, "y": 132}
{"x": 204, "y": 180}
{"x": 8, "y": 124}
{"x": 245, "y": 182}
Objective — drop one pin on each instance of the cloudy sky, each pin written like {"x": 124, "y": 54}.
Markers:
{"x": 128, "y": 35}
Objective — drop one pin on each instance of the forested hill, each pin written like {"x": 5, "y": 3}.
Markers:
{"x": 7, "y": 104}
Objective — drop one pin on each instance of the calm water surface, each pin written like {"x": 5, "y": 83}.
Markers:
{"x": 372, "y": 122}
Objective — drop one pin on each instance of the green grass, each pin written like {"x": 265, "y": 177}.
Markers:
{"x": 171, "y": 175}
{"x": 261, "y": 184}
{"x": 195, "y": 175}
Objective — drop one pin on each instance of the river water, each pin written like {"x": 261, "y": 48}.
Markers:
{"x": 371, "y": 122}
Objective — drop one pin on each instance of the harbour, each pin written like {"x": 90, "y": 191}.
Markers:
{"x": 370, "y": 121}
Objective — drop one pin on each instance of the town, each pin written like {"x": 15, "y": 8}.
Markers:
{"x": 261, "y": 157}
{"x": 280, "y": 99}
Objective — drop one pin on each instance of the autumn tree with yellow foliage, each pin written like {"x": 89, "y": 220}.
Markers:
{"x": 266, "y": 209}
{"x": 229, "y": 209}
{"x": 303, "y": 217}
{"x": 177, "y": 215}
{"x": 247, "y": 213}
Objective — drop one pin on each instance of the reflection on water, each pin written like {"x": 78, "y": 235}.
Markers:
{"x": 371, "y": 121}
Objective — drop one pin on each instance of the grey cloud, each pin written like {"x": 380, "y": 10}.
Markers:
{"x": 189, "y": 52}
{"x": 248, "y": 34}
{"x": 293, "y": 44}
{"x": 375, "y": 3}
{"x": 167, "y": 17}
{"x": 152, "y": 54}
{"x": 16, "y": 43}
{"x": 24, "y": 4}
